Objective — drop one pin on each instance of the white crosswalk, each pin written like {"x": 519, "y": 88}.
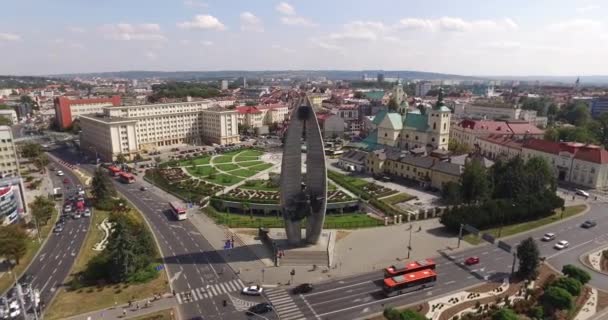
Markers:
{"x": 283, "y": 304}
{"x": 209, "y": 291}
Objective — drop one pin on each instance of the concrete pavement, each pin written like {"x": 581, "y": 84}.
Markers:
{"x": 125, "y": 311}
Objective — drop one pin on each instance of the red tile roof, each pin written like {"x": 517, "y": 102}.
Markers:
{"x": 503, "y": 140}
{"x": 524, "y": 128}
{"x": 501, "y": 127}
{"x": 589, "y": 153}
{"x": 247, "y": 109}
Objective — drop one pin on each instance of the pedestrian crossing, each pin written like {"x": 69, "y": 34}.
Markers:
{"x": 209, "y": 291}
{"x": 284, "y": 305}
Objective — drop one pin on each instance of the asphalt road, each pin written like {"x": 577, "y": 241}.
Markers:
{"x": 193, "y": 265}
{"x": 55, "y": 259}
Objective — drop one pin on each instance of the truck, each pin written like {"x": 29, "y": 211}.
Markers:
{"x": 57, "y": 194}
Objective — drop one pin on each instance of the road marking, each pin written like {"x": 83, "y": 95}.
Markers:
{"x": 340, "y": 288}
{"x": 570, "y": 248}
{"x": 450, "y": 282}
{"x": 179, "y": 300}
{"x": 484, "y": 253}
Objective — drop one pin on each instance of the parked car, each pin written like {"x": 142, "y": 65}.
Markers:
{"x": 548, "y": 236}
{"x": 582, "y": 193}
{"x": 561, "y": 245}
{"x": 60, "y": 173}
{"x": 303, "y": 288}
{"x": 252, "y": 290}
{"x": 589, "y": 224}
{"x": 260, "y": 308}
{"x": 471, "y": 261}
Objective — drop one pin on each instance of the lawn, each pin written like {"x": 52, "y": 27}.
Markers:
{"x": 261, "y": 167}
{"x": 250, "y": 153}
{"x": 227, "y": 167}
{"x": 200, "y": 171}
{"x": 222, "y": 159}
{"x": 244, "y": 173}
{"x": 250, "y": 163}
{"x": 258, "y": 184}
{"x": 333, "y": 221}
{"x": 167, "y": 314}
{"x": 197, "y": 161}
{"x": 224, "y": 179}
{"x": 7, "y": 280}
{"x": 526, "y": 226}
{"x": 245, "y": 158}
{"x": 400, "y": 197}
{"x": 71, "y": 302}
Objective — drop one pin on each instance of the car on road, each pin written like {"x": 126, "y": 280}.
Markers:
{"x": 589, "y": 224}
{"x": 260, "y": 308}
{"x": 471, "y": 261}
{"x": 86, "y": 212}
{"x": 548, "y": 236}
{"x": 60, "y": 173}
{"x": 303, "y": 288}
{"x": 582, "y": 193}
{"x": 58, "y": 228}
{"x": 143, "y": 188}
{"x": 252, "y": 290}
{"x": 562, "y": 244}
{"x": 67, "y": 208}
{"x": 76, "y": 215}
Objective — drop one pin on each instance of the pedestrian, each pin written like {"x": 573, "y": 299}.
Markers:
{"x": 124, "y": 313}
{"x": 137, "y": 306}
{"x": 130, "y": 303}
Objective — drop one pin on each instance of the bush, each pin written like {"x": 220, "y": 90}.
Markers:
{"x": 577, "y": 273}
{"x": 537, "y": 313}
{"x": 572, "y": 285}
{"x": 505, "y": 314}
{"x": 556, "y": 298}
{"x": 391, "y": 314}
{"x": 143, "y": 275}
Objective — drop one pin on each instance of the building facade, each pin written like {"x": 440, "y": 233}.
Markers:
{"x": 422, "y": 88}
{"x": 332, "y": 126}
{"x": 9, "y": 114}
{"x": 469, "y": 131}
{"x": 598, "y": 106}
{"x": 9, "y": 163}
{"x": 67, "y": 110}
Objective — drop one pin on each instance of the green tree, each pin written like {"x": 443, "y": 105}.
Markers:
{"x": 42, "y": 209}
{"x": 120, "y": 158}
{"x": 572, "y": 285}
{"x": 577, "y": 273}
{"x": 577, "y": 114}
{"x": 475, "y": 185}
{"x": 551, "y": 134}
{"x": 13, "y": 242}
{"x": 539, "y": 175}
{"x": 243, "y": 128}
{"x": 450, "y": 193}
{"x": 5, "y": 121}
{"x": 102, "y": 187}
{"x": 529, "y": 258}
{"x": 41, "y": 161}
{"x": 31, "y": 150}
{"x": 505, "y": 314}
{"x": 393, "y": 106}
{"x": 458, "y": 148}
{"x": 555, "y": 298}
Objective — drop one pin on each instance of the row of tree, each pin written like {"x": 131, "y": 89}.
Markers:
{"x": 183, "y": 89}
{"x": 35, "y": 153}
{"x": 509, "y": 192}
{"x": 584, "y": 128}
{"x": 103, "y": 190}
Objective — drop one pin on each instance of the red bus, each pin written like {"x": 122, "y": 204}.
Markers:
{"x": 126, "y": 177}
{"x": 409, "y": 282}
{"x": 178, "y": 210}
{"x": 409, "y": 267}
{"x": 114, "y": 171}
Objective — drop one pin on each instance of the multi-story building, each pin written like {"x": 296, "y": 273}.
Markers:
{"x": 10, "y": 114}
{"x": 422, "y": 88}
{"x": 67, "y": 110}
{"x": 262, "y": 115}
{"x": 129, "y": 130}
{"x": 224, "y": 85}
{"x": 331, "y": 125}
{"x": 469, "y": 131}
{"x": 598, "y": 106}
{"x": 499, "y": 146}
{"x": 9, "y": 165}
{"x": 9, "y": 210}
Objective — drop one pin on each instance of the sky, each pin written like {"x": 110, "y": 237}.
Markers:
{"x": 467, "y": 37}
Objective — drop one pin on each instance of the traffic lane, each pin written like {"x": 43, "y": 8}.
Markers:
{"x": 574, "y": 255}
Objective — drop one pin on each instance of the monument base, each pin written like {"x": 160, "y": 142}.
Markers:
{"x": 320, "y": 254}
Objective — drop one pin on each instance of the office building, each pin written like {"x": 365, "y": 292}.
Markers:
{"x": 9, "y": 114}
{"x": 422, "y": 88}
{"x": 598, "y": 106}
{"x": 67, "y": 110}
{"x": 12, "y": 200}
{"x": 9, "y": 165}
{"x": 224, "y": 85}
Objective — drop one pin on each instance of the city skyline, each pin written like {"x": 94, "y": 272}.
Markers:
{"x": 69, "y": 36}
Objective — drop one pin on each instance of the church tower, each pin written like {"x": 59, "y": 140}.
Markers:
{"x": 439, "y": 123}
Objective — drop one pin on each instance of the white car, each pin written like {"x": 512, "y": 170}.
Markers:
{"x": 582, "y": 193}
{"x": 548, "y": 236}
{"x": 252, "y": 290}
{"x": 561, "y": 245}
{"x": 67, "y": 209}
{"x": 87, "y": 212}
{"x": 60, "y": 173}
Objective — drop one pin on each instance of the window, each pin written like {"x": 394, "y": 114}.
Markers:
{"x": 434, "y": 125}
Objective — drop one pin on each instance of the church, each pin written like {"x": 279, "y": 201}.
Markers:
{"x": 411, "y": 129}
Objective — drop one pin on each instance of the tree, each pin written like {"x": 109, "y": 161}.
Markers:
{"x": 393, "y": 106}
{"x": 539, "y": 175}
{"x": 577, "y": 273}
{"x": 458, "y": 148}
{"x": 31, "y": 150}
{"x": 244, "y": 128}
{"x": 572, "y": 285}
{"x": 505, "y": 314}
{"x": 138, "y": 157}
{"x": 475, "y": 185}
{"x": 13, "y": 242}
{"x": 42, "y": 209}
{"x": 529, "y": 258}
{"x": 102, "y": 187}
{"x": 41, "y": 161}
{"x": 450, "y": 193}
{"x": 4, "y": 121}
{"x": 555, "y": 298}
{"x": 120, "y": 158}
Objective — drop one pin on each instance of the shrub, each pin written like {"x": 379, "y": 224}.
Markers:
{"x": 556, "y": 298}
{"x": 572, "y": 285}
{"x": 143, "y": 275}
{"x": 574, "y": 272}
{"x": 391, "y": 314}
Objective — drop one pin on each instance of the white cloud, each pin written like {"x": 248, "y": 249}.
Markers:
{"x": 9, "y": 37}
{"x": 150, "y": 55}
{"x": 203, "y": 21}
{"x": 249, "y": 22}
{"x": 286, "y": 9}
{"x": 297, "y": 21}
{"x": 77, "y": 30}
{"x": 452, "y": 24}
{"x": 360, "y": 30}
{"x": 207, "y": 43}
{"x": 582, "y": 25}
{"x": 281, "y": 48}
{"x": 195, "y": 4}
{"x": 588, "y": 8}
{"x": 503, "y": 45}
{"x": 127, "y": 32}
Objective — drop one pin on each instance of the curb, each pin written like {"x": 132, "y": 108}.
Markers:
{"x": 582, "y": 261}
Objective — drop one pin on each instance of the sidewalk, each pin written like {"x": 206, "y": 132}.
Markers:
{"x": 117, "y": 312}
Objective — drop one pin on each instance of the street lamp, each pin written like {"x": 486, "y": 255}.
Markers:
{"x": 409, "y": 244}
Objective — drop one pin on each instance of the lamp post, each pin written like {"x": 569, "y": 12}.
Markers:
{"x": 409, "y": 243}
{"x": 37, "y": 228}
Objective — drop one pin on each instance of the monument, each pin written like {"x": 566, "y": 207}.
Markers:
{"x": 303, "y": 196}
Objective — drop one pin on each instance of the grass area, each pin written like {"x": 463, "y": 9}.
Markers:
{"x": 72, "y": 302}
{"x": 261, "y": 167}
{"x": 250, "y": 163}
{"x": 526, "y": 226}
{"x": 201, "y": 171}
{"x": 332, "y": 221}
{"x": 168, "y": 314}
{"x": 6, "y": 280}
{"x": 244, "y": 173}
{"x": 250, "y": 153}
{"x": 400, "y": 197}
{"x": 245, "y": 158}
{"x": 227, "y": 167}
{"x": 222, "y": 159}
{"x": 224, "y": 179}
{"x": 197, "y": 161}
{"x": 258, "y": 184}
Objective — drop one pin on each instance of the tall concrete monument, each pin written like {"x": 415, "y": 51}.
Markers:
{"x": 303, "y": 196}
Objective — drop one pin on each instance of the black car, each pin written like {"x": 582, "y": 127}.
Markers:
{"x": 303, "y": 288}
{"x": 260, "y": 308}
{"x": 589, "y": 224}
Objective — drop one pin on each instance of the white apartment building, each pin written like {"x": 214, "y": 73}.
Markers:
{"x": 262, "y": 115}
{"x": 9, "y": 165}
{"x": 9, "y": 114}
{"x": 131, "y": 129}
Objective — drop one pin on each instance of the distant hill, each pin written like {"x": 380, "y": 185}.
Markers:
{"x": 584, "y": 80}
{"x": 299, "y": 74}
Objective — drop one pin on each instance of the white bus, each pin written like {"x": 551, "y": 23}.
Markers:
{"x": 178, "y": 210}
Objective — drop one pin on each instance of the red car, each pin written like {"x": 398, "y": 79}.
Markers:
{"x": 471, "y": 261}
{"x": 66, "y": 181}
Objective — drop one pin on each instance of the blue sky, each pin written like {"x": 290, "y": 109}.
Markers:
{"x": 491, "y": 37}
